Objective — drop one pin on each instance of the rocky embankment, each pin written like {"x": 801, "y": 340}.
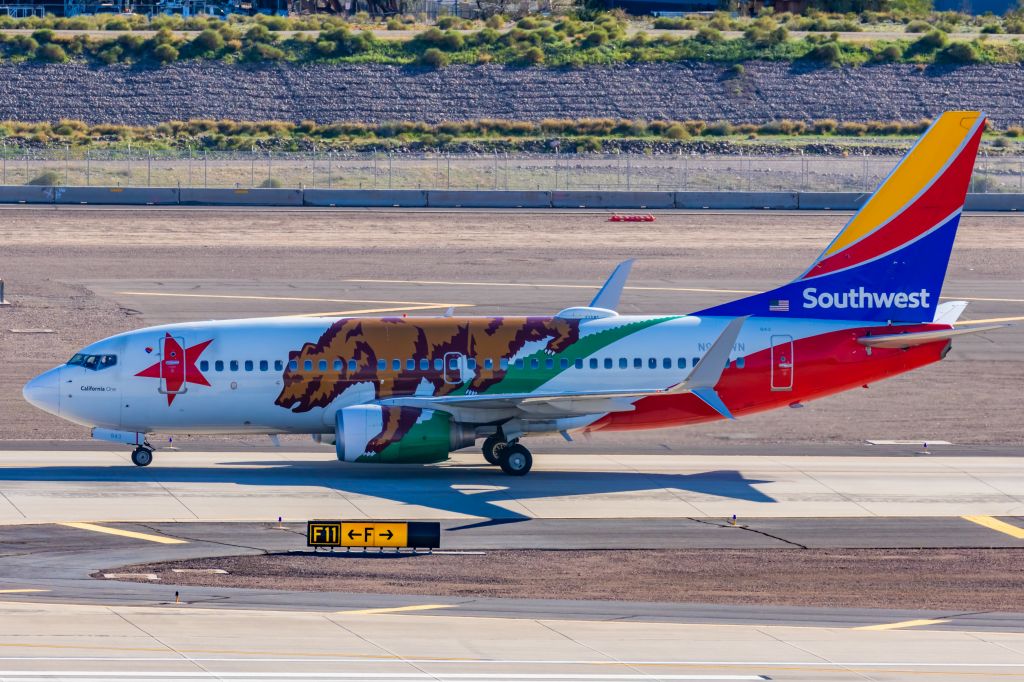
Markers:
{"x": 366, "y": 92}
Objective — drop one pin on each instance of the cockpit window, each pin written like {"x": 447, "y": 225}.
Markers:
{"x": 93, "y": 362}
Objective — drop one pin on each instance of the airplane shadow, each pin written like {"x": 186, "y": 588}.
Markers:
{"x": 473, "y": 491}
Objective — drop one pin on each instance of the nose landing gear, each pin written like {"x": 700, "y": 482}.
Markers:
{"x": 142, "y": 456}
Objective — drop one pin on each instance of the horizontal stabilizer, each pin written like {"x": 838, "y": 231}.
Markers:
{"x": 713, "y": 400}
{"x": 919, "y": 338}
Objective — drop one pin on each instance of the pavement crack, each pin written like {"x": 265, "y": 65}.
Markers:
{"x": 203, "y": 540}
{"x": 749, "y": 530}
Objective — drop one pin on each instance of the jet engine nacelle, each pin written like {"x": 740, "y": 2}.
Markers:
{"x": 397, "y": 435}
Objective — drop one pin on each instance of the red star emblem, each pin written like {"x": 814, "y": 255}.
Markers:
{"x": 177, "y": 366}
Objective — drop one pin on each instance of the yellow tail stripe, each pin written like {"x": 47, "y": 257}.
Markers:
{"x": 916, "y": 170}
{"x": 997, "y": 525}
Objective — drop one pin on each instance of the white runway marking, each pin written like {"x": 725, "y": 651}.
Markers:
{"x": 463, "y": 677}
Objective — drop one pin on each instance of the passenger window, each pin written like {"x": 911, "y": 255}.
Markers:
{"x": 219, "y": 366}
{"x": 410, "y": 364}
{"x": 278, "y": 365}
{"x": 652, "y": 363}
{"x": 503, "y": 363}
{"x": 233, "y": 365}
{"x": 396, "y": 365}
{"x": 336, "y": 366}
{"x": 488, "y": 363}
{"x": 352, "y": 366}
{"x": 264, "y": 365}
{"x": 307, "y": 365}
{"x": 593, "y": 363}
{"x": 741, "y": 362}
{"x": 438, "y": 364}
{"x": 623, "y": 363}
{"x": 424, "y": 364}
{"x": 382, "y": 365}
{"x": 549, "y": 363}
{"x": 249, "y": 366}
{"x": 666, "y": 363}
{"x": 519, "y": 363}
{"x": 579, "y": 363}
{"x": 695, "y": 361}
{"x": 453, "y": 363}
{"x": 608, "y": 363}
{"x": 681, "y": 363}
{"x": 638, "y": 363}
{"x": 534, "y": 363}
{"x": 204, "y": 366}
{"x": 471, "y": 363}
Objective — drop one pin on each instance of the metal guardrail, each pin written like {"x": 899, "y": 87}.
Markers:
{"x": 494, "y": 171}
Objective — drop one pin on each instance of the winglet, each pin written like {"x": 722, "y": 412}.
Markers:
{"x": 609, "y": 295}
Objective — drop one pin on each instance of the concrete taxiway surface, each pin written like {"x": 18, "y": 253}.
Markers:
{"x": 45, "y": 641}
{"x": 39, "y": 486}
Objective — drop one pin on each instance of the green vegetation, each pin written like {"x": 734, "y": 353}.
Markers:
{"x": 558, "y": 41}
{"x": 580, "y": 134}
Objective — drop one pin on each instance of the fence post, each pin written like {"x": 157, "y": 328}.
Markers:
{"x": 5, "y": 162}
{"x": 313, "y": 184}
{"x": 629, "y": 174}
{"x": 190, "y": 167}
{"x": 67, "y": 161}
{"x": 390, "y": 158}
{"x": 205, "y": 169}
{"x": 88, "y": 168}
{"x": 375, "y": 169}
{"x": 329, "y": 157}
{"x": 129, "y": 180}
{"x": 270, "y": 168}
{"x": 149, "y": 170}
{"x": 448, "y": 158}
{"x": 252, "y": 166}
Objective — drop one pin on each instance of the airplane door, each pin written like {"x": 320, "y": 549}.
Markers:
{"x": 454, "y": 368}
{"x": 172, "y": 366}
{"x": 782, "y": 363}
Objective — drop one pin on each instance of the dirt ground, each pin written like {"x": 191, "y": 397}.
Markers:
{"x": 949, "y": 579}
{"x": 49, "y": 254}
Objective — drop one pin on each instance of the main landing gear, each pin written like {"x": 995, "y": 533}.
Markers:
{"x": 513, "y": 458}
{"x": 142, "y": 456}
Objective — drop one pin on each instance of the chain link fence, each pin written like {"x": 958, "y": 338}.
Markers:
{"x": 500, "y": 171}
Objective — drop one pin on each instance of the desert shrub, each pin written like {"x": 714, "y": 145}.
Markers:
{"x": 932, "y": 40}
{"x": 852, "y": 128}
{"x": 829, "y": 52}
{"x": 528, "y": 23}
{"x": 917, "y": 26}
{"x": 47, "y": 179}
{"x": 534, "y": 55}
{"x": 435, "y": 58}
{"x": 735, "y": 71}
{"x": 394, "y": 24}
{"x": 52, "y": 52}
{"x": 445, "y": 23}
{"x": 961, "y": 53}
{"x": 718, "y": 129}
{"x": 208, "y": 41}
{"x": 452, "y": 42}
{"x": 1001, "y": 142}
{"x": 267, "y": 52}
{"x": 271, "y": 183}
{"x": 1015, "y": 131}
{"x": 595, "y": 38}
{"x": 825, "y": 126}
{"x": 992, "y": 28}
{"x": 495, "y": 21}
{"x": 673, "y": 23}
{"x": 890, "y": 53}
{"x": 708, "y": 35}
{"x": 111, "y": 55}
{"x": 676, "y": 131}
{"x": 165, "y": 53}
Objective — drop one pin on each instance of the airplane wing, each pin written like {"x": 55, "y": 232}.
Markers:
{"x": 701, "y": 381}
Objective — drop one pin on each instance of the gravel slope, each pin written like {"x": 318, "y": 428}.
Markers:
{"x": 379, "y": 93}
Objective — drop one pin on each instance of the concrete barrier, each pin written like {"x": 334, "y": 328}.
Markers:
{"x": 835, "y": 201}
{"x": 122, "y": 196}
{"x": 588, "y": 199}
{"x": 26, "y": 194}
{"x": 994, "y": 202}
{"x": 414, "y": 198}
{"x": 737, "y": 200}
{"x": 241, "y": 197}
{"x": 488, "y": 199}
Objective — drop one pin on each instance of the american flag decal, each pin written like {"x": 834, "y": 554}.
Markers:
{"x": 780, "y": 305}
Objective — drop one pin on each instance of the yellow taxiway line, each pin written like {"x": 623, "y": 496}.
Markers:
{"x": 397, "y": 609}
{"x": 902, "y": 624}
{"x": 271, "y": 298}
{"x": 996, "y": 525}
{"x": 992, "y": 320}
{"x": 163, "y": 540}
{"x": 343, "y": 313}
{"x": 22, "y": 590}
{"x": 629, "y": 288}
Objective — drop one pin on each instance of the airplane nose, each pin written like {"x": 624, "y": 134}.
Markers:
{"x": 44, "y": 391}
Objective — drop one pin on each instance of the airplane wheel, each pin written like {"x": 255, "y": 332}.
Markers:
{"x": 493, "y": 448}
{"x": 516, "y": 460}
{"x": 142, "y": 457}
